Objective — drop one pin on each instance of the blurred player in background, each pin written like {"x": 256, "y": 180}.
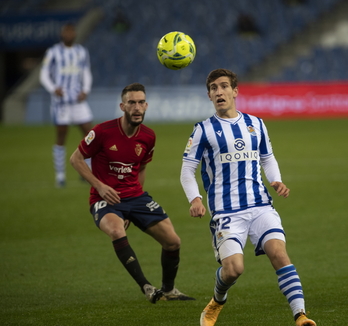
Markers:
{"x": 66, "y": 75}
{"x": 233, "y": 146}
{"x": 120, "y": 150}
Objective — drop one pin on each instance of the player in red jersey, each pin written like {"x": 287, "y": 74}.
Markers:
{"x": 120, "y": 150}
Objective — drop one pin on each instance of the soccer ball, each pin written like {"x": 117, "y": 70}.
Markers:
{"x": 176, "y": 50}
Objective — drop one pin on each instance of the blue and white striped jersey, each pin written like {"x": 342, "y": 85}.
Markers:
{"x": 230, "y": 153}
{"x": 67, "y": 68}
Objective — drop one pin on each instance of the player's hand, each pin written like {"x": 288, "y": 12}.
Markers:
{"x": 81, "y": 97}
{"x": 59, "y": 92}
{"x": 281, "y": 189}
{"x": 110, "y": 195}
{"x": 197, "y": 208}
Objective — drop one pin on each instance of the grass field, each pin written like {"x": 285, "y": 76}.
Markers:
{"x": 57, "y": 268}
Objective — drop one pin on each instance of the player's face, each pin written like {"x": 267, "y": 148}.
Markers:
{"x": 134, "y": 106}
{"x": 223, "y": 97}
{"x": 68, "y": 35}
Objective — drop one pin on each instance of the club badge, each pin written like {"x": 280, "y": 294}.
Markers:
{"x": 138, "y": 149}
{"x": 251, "y": 130}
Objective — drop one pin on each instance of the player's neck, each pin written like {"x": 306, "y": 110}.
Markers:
{"x": 127, "y": 128}
{"x": 68, "y": 45}
{"x": 227, "y": 114}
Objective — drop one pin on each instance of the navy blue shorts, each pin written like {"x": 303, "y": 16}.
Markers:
{"x": 142, "y": 211}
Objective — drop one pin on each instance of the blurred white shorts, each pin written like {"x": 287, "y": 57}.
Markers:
{"x": 67, "y": 114}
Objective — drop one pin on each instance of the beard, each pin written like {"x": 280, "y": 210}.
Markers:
{"x": 134, "y": 123}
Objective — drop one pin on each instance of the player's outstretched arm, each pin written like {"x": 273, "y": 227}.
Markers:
{"x": 281, "y": 188}
{"x": 106, "y": 192}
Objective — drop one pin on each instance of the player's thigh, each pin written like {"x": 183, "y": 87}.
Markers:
{"x": 113, "y": 226}
{"x": 234, "y": 226}
{"x": 164, "y": 232}
{"x": 81, "y": 113}
{"x": 229, "y": 234}
{"x": 266, "y": 226}
{"x": 109, "y": 219}
{"x": 145, "y": 212}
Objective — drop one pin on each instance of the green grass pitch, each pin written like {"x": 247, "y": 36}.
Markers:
{"x": 57, "y": 268}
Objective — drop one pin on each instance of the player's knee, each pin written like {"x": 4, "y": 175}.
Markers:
{"x": 232, "y": 268}
{"x": 172, "y": 243}
{"x": 236, "y": 270}
{"x": 116, "y": 233}
{"x": 279, "y": 259}
{"x": 232, "y": 272}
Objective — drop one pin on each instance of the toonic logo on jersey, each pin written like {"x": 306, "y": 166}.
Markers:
{"x": 239, "y": 156}
{"x": 239, "y": 144}
{"x": 121, "y": 169}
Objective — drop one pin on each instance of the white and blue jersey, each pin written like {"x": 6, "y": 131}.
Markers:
{"x": 67, "y": 68}
{"x": 230, "y": 151}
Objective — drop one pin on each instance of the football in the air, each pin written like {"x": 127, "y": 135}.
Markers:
{"x": 176, "y": 50}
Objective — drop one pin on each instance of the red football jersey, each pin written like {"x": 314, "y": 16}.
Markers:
{"x": 116, "y": 158}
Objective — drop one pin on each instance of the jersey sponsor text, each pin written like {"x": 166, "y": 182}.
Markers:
{"x": 239, "y": 156}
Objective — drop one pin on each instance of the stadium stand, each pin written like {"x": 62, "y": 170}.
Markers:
{"x": 121, "y": 56}
{"x": 131, "y": 54}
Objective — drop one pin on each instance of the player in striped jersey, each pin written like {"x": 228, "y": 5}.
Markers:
{"x": 66, "y": 75}
{"x": 232, "y": 147}
{"x": 120, "y": 150}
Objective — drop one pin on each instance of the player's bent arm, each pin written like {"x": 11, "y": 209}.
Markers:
{"x": 188, "y": 180}
{"x": 77, "y": 160}
{"x": 87, "y": 80}
{"x": 141, "y": 175}
{"x": 272, "y": 172}
{"x": 87, "y": 77}
{"x": 45, "y": 79}
{"x": 271, "y": 168}
{"x": 191, "y": 189}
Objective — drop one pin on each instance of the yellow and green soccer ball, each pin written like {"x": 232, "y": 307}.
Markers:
{"x": 176, "y": 50}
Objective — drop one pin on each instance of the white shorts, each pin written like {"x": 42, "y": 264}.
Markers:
{"x": 259, "y": 223}
{"x": 66, "y": 114}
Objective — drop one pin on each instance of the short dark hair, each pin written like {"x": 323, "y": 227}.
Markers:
{"x": 215, "y": 74}
{"x": 135, "y": 87}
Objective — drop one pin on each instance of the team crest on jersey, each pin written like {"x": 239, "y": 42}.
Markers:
{"x": 113, "y": 148}
{"x": 251, "y": 130}
{"x": 89, "y": 138}
{"x": 138, "y": 149}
